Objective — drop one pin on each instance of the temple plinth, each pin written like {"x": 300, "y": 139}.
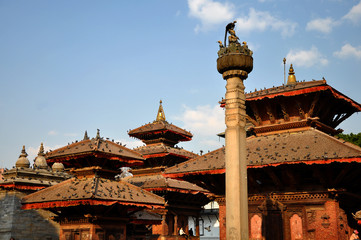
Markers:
{"x": 234, "y": 63}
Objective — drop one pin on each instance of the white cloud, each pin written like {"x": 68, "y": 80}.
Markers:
{"x": 354, "y": 15}
{"x": 262, "y": 21}
{"x": 348, "y": 50}
{"x": 306, "y": 58}
{"x": 324, "y": 25}
{"x": 130, "y": 143}
{"x": 52, "y": 133}
{"x": 210, "y": 13}
{"x": 205, "y": 122}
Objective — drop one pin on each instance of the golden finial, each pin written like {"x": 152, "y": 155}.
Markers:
{"x": 291, "y": 76}
{"x": 160, "y": 114}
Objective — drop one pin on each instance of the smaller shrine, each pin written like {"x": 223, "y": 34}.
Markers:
{"x": 21, "y": 180}
{"x": 161, "y": 138}
{"x": 184, "y": 199}
{"x": 95, "y": 203}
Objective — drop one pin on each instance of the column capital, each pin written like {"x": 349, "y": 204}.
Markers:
{"x": 235, "y": 73}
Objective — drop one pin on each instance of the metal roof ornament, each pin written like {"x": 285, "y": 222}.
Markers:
{"x": 160, "y": 114}
{"x": 86, "y": 136}
{"x": 98, "y": 134}
{"x": 291, "y": 76}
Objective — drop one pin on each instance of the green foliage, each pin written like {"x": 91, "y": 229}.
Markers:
{"x": 352, "y": 138}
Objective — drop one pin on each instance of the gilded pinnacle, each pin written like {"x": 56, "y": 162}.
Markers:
{"x": 160, "y": 114}
{"x": 291, "y": 76}
{"x": 86, "y": 136}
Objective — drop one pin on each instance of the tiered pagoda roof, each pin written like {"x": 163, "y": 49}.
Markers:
{"x": 160, "y": 138}
{"x": 95, "y": 152}
{"x": 291, "y": 147}
{"x": 313, "y": 103}
{"x": 160, "y": 131}
{"x": 160, "y": 183}
{"x": 298, "y": 105}
{"x": 92, "y": 191}
{"x": 307, "y": 147}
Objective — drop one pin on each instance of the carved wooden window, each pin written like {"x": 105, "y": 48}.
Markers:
{"x": 256, "y": 227}
{"x": 296, "y": 227}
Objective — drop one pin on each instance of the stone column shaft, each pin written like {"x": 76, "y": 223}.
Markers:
{"x": 236, "y": 164}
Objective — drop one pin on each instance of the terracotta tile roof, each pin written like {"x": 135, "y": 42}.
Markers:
{"x": 94, "y": 146}
{"x": 286, "y": 88}
{"x": 161, "y": 126}
{"x": 212, "y": 161}
{"x": 91, "y": 191}
{"x": 159, "y": 148}
{"x": 309, "y": 147}
{"x": 161, "y": 183}
{"x": 301, "y": 88}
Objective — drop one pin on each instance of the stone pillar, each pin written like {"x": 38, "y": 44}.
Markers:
{"x": 234, "y": 63}
{"x": 236, "y": 164}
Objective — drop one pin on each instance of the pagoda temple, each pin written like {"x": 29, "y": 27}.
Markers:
{"x": 94, "y": 204}
{"x": 21, "y": 180}
{"x": 183, "y": 198}
{"x": 303, "y": 182}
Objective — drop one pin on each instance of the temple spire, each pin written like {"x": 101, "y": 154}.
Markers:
{"x": 86, "y": 136}
{"x": 160, "y": 114}
{"x": 98, "y": 134}
{"x": 22, "y": 161}
{"x": 23, "y": 152}
{"x": 291, "y": 76}
{"x": 41, "y": 150}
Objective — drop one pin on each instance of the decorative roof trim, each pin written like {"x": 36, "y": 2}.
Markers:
{"x": 222, "y": 171}
{"x": 336, "y": 93}
{"x": 21, "y": 187}
{"x": 56, "y": 204}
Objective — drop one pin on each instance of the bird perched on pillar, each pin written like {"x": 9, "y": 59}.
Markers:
{"x": 229, "y": 27}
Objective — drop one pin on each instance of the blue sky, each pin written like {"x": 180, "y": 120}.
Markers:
{"x": 71, "y": 66}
